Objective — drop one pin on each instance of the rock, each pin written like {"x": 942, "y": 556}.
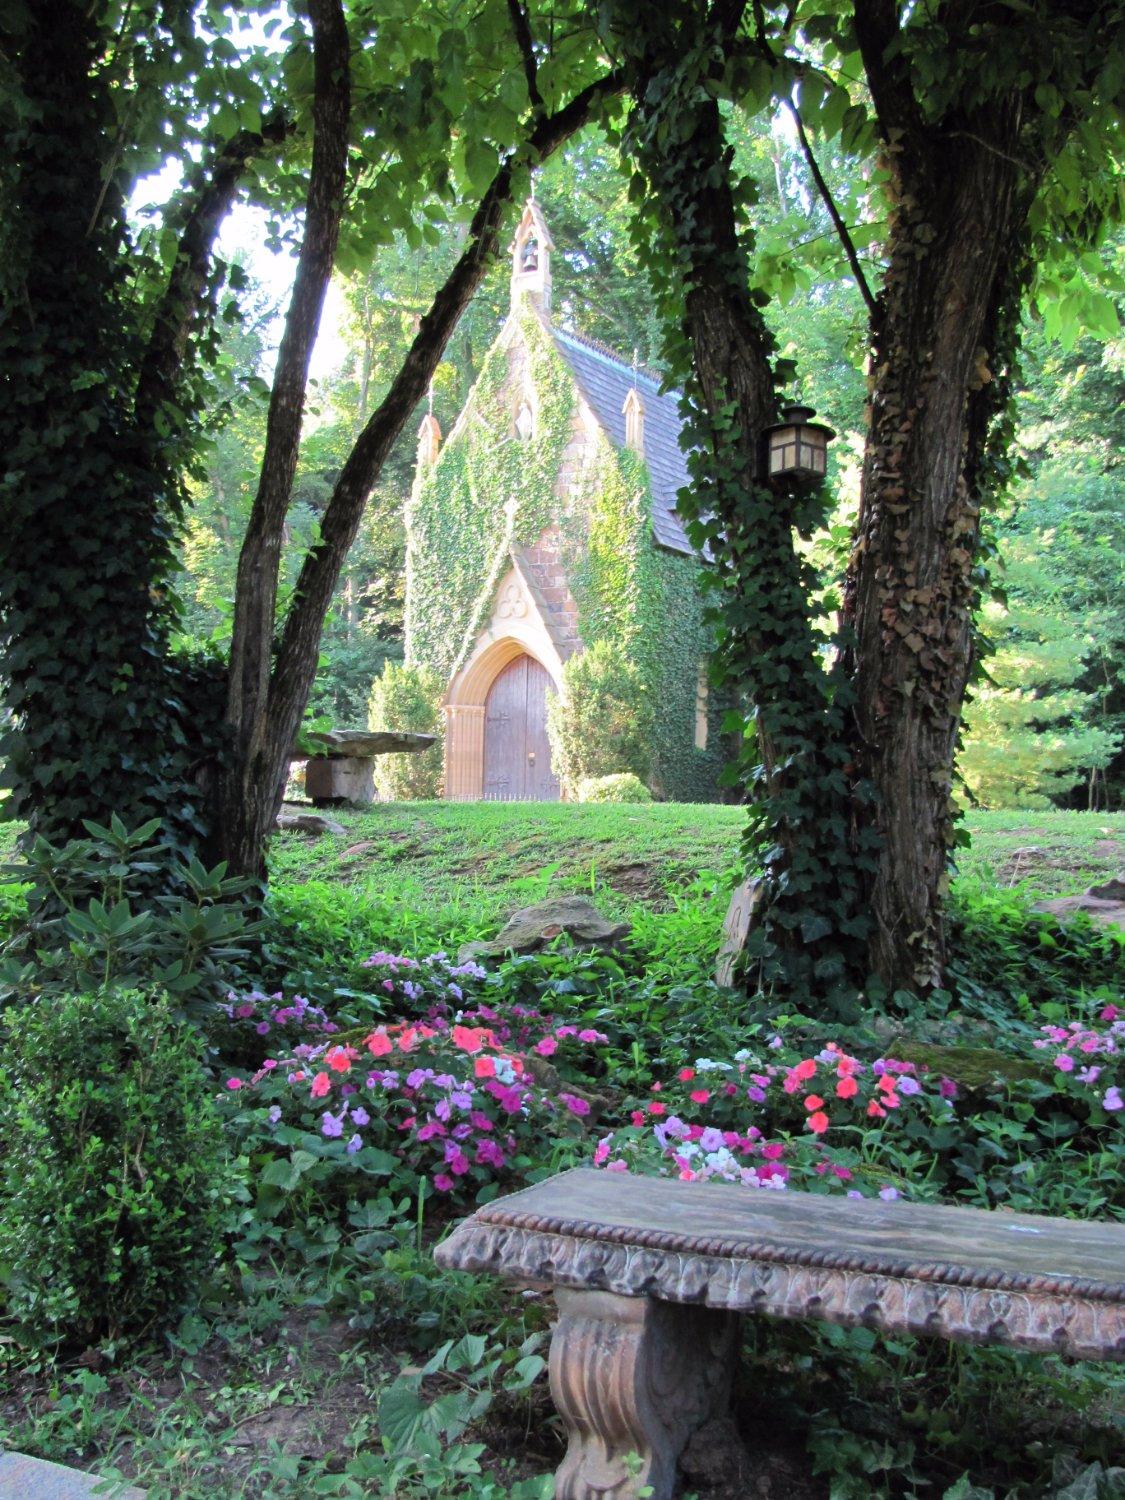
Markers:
{"x": 36, "y": 1479}
{"x": 309, "y": 823}
{"x": 536, "y": 927}
{"x": 974, "y": 1069}
{"x": 1103, "y": 903}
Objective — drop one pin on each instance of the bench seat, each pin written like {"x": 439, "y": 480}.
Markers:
{"x": 648, "y": 1271}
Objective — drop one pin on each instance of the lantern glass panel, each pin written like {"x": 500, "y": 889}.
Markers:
{"x": 812, "y": 452}
{"x": 783, "y": 450}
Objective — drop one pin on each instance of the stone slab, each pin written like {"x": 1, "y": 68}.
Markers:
{"x": 361, "y": 744}
{"x": 26, "y": 1478}
{"x": 1031, "y": 1282}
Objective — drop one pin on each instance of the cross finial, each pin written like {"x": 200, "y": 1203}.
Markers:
{"x": 430, "y": 398}
{"x": 634, "y": 367}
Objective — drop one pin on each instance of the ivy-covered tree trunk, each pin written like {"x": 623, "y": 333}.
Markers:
{"x": 89, "y": 502}
{"x": 795, "y": 762}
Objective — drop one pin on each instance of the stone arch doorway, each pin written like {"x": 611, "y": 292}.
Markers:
{"x": 517, "y": 754}
{"x": 496, "y": 710}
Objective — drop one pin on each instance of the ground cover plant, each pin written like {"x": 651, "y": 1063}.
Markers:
{"x": 370, "y": 1092}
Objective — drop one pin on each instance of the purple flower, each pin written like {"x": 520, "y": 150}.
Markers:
{"x": 888, "y": 1194}
{"x": 461, "y": 1099}
{"x": 1112, "y": 1098}
{"x": 755, "y": 1093}
{"x": 907, "y": 1085}
{"x": 1088, "y": 1075}
{"x": 263, "y": 1028}
{"x": 275, "y": 1114}
{"x": 360, "y": 1115}
{"x": 354, "y": 1144}
{"x": 711, "y": 1139}
{"x": 330, "y": 1125}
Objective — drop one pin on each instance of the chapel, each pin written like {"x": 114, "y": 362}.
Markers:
{"x": 544, "y": 522}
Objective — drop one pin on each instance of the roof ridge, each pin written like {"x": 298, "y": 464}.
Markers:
{"x": 611, "y": 354}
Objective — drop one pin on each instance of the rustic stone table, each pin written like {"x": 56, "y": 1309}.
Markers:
{"x": 650, "y": 1275}
{"x": 345, "y": 772}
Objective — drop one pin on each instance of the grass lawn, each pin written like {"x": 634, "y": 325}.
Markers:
{"x": 464, "y": 863}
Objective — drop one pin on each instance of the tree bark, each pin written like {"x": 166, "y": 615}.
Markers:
{"x": 952, "y": 275}
{"x": 248, "y": 680}
{"x": 252, "y": 792}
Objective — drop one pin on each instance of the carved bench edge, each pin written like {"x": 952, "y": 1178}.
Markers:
{"x": 1036, "y": 1319}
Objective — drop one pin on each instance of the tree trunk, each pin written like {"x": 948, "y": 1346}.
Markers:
{"x": 943, "y": 318}
{"x": 251, "y": 789}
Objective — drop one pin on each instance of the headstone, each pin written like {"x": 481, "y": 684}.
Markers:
{"x": 534, "y": 928}
{"x": 736, "y": 929}
{"x": 25, "y": 1478}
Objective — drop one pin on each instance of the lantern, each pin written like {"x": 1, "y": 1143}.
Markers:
{"x": 797, "y": 447}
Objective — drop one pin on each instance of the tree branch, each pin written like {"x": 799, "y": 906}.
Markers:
{"x": 300, "y": 640}
{"x": 522, "y": 28}
{"x": 213, "y": 192}
{"x": 876, "y": 27}
{"x": 830, "y": 204}
{"x": 259, "y": 559}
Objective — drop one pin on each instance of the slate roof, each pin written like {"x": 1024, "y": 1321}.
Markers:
{"x": 605, "y": 381}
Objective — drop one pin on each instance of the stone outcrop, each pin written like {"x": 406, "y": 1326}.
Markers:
{"x": 1103, "y": 903}
{"x": 534, "y": 928}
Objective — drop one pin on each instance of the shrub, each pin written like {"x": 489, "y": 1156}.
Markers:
{"x": 112, "y": 1178}
{"x": 622, "y": 788}
{"x": 601, "y": 724}
{"x": 408, "y": 698}
{"x": 117, "y": 910}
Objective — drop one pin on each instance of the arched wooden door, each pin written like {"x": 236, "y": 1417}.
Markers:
{"x": 517, "y": 755}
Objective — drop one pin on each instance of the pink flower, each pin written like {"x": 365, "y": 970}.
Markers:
{"x": 546, "y": 1046}
{"x": 587, "y": 1035}
{"x": 818, "y": 1122}
{"x": 847, "y": 1087}
{"x": 617, "y": 1166}
{"x": 700, "y": 1096}
{"x": 321, "y": 1085}
{"x": 947, "y": 1088}
{"x": 1108, "y": 1013}
{"x": 685, "y": 1075}
{"x": 234, "y": 1083}
{"x": 1064, "y": 1062}
{"x": 601, "y": 1151}
{"x": 574, "y": 1104}
{"x": 443, "y": 1182}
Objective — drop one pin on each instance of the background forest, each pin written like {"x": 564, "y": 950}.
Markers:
{"x": 1047, "y": 716}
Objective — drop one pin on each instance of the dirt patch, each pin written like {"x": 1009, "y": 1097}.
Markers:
{"x": 640, "y": 880}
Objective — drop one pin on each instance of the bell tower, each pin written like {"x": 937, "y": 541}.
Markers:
{"x": 531, "y": 258}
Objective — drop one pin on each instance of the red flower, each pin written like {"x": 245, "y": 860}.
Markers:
{"x": 806, "y": 1068}
{"x": 700, "y": 1096}
{"x": 321, "y": 1085}
{"x": 379, "y": 1044}
{"x": 847, "y": 1088}
{"x": 685, "y": 1075}
{"x": 876, "y": 1110}
{"x": 484, "y": 1067}
{"x": 466, "y": 1038}
{"x": 818, "y": 1123}
{"x": 813, "y": 1101}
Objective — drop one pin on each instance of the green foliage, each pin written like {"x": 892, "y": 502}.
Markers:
{"x": 600, "y": 725}
{"x": 408, "y": 698}
{"x": 113, "y": 1173}
{"x": 624, "y": 787}
{"x": 122, "y": 910}
{"x": 487, "y": 492}
{"x": 1029, "y": 730}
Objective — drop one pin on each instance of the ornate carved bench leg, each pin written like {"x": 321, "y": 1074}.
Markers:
{"x": 633, "y": 1375}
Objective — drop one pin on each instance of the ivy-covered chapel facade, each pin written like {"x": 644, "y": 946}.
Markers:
{"x": 544, "y": 523}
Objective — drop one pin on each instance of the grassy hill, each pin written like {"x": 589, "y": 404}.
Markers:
{"x": 464, "y": 866}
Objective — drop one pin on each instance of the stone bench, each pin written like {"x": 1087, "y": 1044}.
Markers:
{"x": 342, "y": 767}
{"x": 650, "y": 1275}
